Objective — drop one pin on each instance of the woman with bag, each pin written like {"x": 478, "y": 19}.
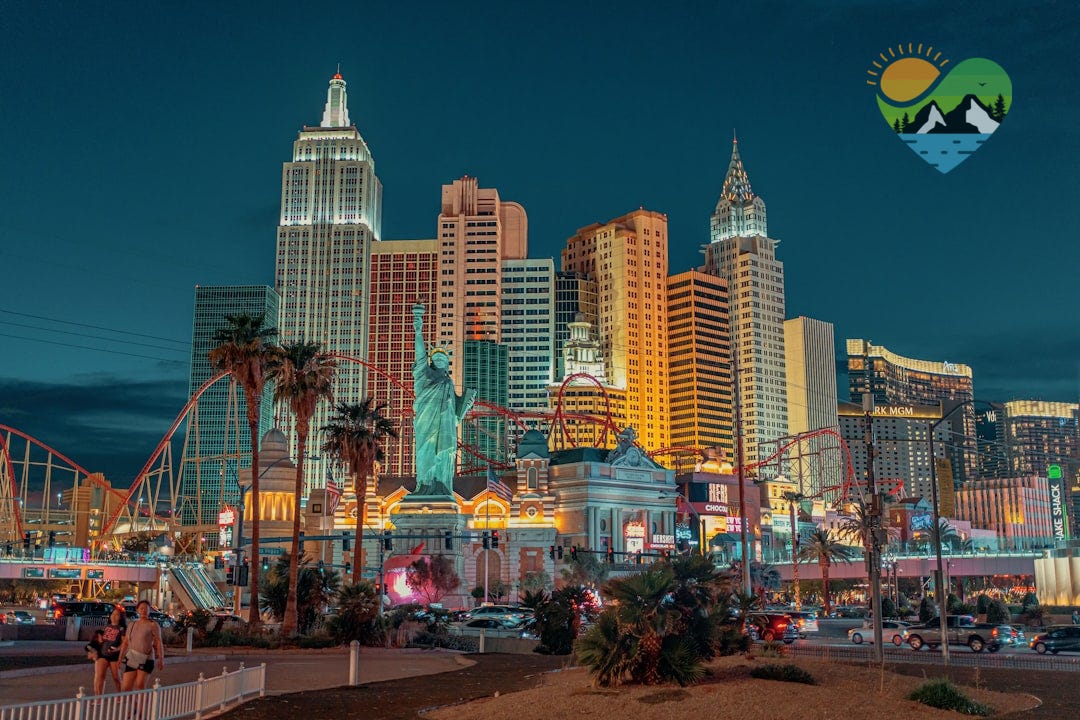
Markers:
{"x": 108, "y": 659}
{"x": 142, "y": 642}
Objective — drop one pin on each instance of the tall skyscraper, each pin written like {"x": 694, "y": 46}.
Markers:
{"x": 627, "y": 259}
{"x": 403, "y": 273}
{"x": 741, "y": 252}
{"x": 896, "y": 380}
{"x": 699, "y": 362}
{"x": 528, "y": 331}
{"x": 477, "y": 232}
{"x": 484, "y": 369}
{"x": 331, "y": 209}
{"x": 1043, "y": 438}
{"x": 810, "y": 358}
{"x": 218, "y": 441}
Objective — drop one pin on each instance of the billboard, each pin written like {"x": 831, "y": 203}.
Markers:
{"x": 1059, "y": 516}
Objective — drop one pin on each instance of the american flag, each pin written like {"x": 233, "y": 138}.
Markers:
{"x": 333, "y": 493}
{"x": 495, "y": 485}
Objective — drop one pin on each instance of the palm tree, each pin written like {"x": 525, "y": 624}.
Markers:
{"x": 243, "y": 349}
{"x": 946, "y": 534}
{"x": 354, "y": 437}
{"x": 820, "y": 546}
{"x": 303, "y": 374}
{"x": 856, "y": 526}
{"x": 764, "y": 578}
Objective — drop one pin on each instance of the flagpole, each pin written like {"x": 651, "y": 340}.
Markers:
{"x": 487, "y": 531}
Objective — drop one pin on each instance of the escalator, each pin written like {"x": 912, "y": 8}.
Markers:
{"x": 195, "y": 589}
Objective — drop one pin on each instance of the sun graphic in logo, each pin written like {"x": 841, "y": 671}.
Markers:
{"x": 903, "y": 76}
{"x": 943, "y": 117}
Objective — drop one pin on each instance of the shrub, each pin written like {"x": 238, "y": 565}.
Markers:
{"x": 927, "y": 610}
{"x": 357, "y": 616}
{"x": 729, "y": 640}
{"x": 888, "y": 607}
{"x": 316, "y": 641}
{"x": 982, "y": 604}
{"x": 1029, "y": 600}
{"x": 770, "y": 648}
{"x": 783, "y": 673}
{"x": 998, "y": 612}
{"x": 944, "y": 695}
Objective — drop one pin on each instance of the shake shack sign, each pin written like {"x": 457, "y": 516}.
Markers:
{"x": 1059, "y": 521}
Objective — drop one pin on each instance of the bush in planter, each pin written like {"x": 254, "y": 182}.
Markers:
{"x": 927, "y": 610}
{"x": 784, "y": 673}
{"x": 982, "y": 604}
{"x": 944, "y": 695}
{"x": 998, "y": 612}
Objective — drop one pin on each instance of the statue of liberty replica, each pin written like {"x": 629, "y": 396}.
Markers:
{"x": 437, "y": 412}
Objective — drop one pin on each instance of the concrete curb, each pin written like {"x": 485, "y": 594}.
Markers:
{"x": 53, "y": 669}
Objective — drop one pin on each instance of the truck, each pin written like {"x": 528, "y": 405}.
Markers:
{"x": 961, "y": 630}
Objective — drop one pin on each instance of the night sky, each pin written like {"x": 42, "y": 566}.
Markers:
{"x": 143, "y": 145}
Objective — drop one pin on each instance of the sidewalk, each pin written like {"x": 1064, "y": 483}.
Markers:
{"x": 288, "y": 671}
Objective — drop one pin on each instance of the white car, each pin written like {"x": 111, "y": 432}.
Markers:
{"x": 502, "y": 612}
{"x": 492, "y": 627}
{"x": 891, "y": 631}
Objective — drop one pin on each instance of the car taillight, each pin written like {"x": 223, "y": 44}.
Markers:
{"x": 994, "y": 632}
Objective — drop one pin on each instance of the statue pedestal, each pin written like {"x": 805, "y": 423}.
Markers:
{"x": 430, "y": 519}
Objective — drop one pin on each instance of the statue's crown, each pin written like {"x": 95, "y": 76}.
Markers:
{"x": 438, "y": 349}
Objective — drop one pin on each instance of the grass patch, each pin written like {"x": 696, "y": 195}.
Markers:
{"x": 783, "y": 673}
{"x": 944, "y": 695}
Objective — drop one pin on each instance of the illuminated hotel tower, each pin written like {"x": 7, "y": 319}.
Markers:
{"x": 331, "y": 204}
{"x": 477, "y": 232}
{"x": 741, "y": 252}
{"x": 627, "y": 258}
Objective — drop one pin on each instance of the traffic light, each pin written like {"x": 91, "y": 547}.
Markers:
{"x": 230, "y": 575}
{"x": 495, "y": 539}
{"x": 301, "y": 549}
{"x": 449, "y": 538}
{"x": 573, "y": 552}
{"x": 26, "y": 541}
{"x": 559, "y": 551}
{"x": 52, "y": 538}
{"x": 108, "y": 586}
{"x": 487, "y": 540}
{"x": 265, "y": 564}
{"x": 219, "y": 563}
{"x": 611, "y": 555}
{"x": 387, "y": 540}
{"x": 551, "y": 552}
{"x": 346, "y": 544}
{"x": 348, "y": 568}
{"x": 322, "y": 567}
{"x": 244, "y": 572}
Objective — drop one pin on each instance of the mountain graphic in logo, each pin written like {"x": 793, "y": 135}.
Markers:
{"x": 943, "y": 118}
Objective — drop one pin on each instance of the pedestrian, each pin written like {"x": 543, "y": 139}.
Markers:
{"x": 142, "y": 642}
{"x": 1076, "y": 617}
{"x": 108, "y": 660}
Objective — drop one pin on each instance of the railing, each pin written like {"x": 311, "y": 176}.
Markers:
{"x": 902, "y": 656}
{"x": 171, "y": 702}
{"x": 199, "y": 571}
{"x": 196, "y": 591}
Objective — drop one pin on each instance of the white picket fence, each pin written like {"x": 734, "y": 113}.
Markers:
{"x": 171, "y": 702}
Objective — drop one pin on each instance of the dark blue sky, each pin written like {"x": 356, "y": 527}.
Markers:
{"x": 143, "y": 145}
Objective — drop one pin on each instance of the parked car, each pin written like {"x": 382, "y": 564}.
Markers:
{"x": 775, "y": 626}
{"x": 506, "y": 612}
{"x": 961, "y": 630}
{"x": 1057, "y": 638}
{"x": 805, "y": 620}
{"x": 492, "y": 627}
{"x": 892, "y": 631}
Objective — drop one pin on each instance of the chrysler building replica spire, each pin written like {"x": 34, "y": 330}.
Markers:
{"x": 741, "y": 252}
{"x": 331, "y": 212}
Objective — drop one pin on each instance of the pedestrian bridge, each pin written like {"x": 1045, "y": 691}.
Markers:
{"x": 136, "y": 571}
{"x": 974, "y": 565}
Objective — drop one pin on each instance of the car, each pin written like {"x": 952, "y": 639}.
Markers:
{"x": 491, "y": 627}
{"x": 775, "y": 626}
{"x": 22, "y": 617}
{"x": 1057, "y": 638}
{"x": 806, "y": 620}
{"x": 505, "y": 612}
{"x": 892, "y": 631}
{"x": 64, "y": 609}
{"x": 1000, "y": 634}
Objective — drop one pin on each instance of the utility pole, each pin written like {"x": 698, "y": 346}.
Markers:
{"x": 740, "y": 461}
{"x": 873, "y": 529}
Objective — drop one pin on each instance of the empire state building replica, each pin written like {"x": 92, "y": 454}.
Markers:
{"x": 331, "y": 207}
{"x": 741, "y": 252}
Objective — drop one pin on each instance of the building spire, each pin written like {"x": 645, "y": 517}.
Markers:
{"x": 736, "y": 183}
{"x": 336, "y": 111}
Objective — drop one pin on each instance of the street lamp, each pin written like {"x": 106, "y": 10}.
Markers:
{"x": 939, "y": 571}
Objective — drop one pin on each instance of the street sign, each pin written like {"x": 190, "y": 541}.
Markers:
{"x": 271, "y": 551}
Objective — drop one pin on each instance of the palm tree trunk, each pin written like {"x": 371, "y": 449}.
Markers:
{"x": 254, "y": 618}
{"x": 824, "y": 562}
{"x": 361, "y": 519}
{"x": 291, "y": 622}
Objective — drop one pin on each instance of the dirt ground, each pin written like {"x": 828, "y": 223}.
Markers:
{"x": 842, "y": 691}
{"x": 527, "y": 689}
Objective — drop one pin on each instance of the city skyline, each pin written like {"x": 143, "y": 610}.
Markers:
{"x": 143, "y": 228}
